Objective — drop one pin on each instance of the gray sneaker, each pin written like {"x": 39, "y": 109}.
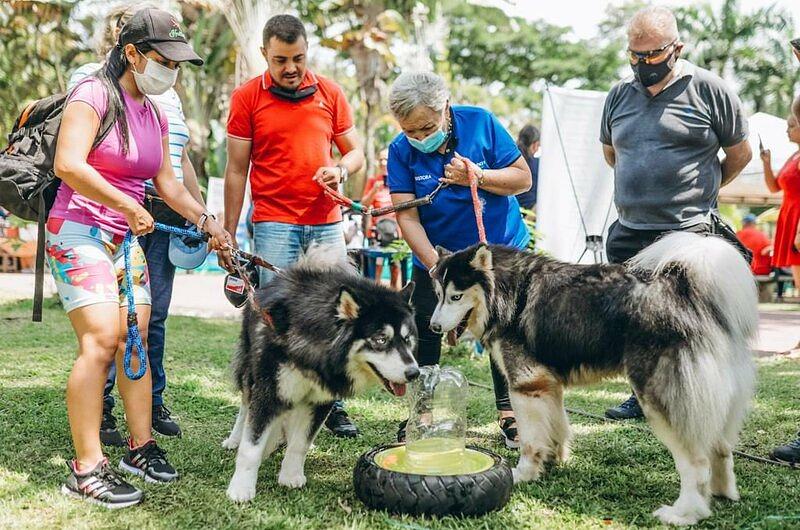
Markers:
{"x": 149, "y": 462}
{"x": 101, "y": 486}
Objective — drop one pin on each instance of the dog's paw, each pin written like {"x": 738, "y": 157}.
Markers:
{"x": 241, "y": 491}
{"x": 726, "y": 492}
{"x": 231, "y": 442}
{"x": 523, "y": 475}
{"x": 680, "y": 516}
{"x": 291, "y": 480}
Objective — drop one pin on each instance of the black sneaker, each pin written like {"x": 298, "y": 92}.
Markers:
{"x": 508, "y": 428}
{"x": 109, "y": 435}
{"x": 339, "y": 423}
{"x": 788, "y": 453}
{"x": 150, "y": 462}
{"x": 163, "y": 422}
{"x": 627, "y": 410}
{"x": 102, "y": 485}
{"x": 401, "y": 431}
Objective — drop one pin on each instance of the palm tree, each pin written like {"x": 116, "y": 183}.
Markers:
{"x": 720, "y": 39}
{"x": 750, "y": 50}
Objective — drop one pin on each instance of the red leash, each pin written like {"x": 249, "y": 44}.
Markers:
{"x": 476, "y": 203}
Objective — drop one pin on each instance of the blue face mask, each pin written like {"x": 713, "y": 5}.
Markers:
{"x": 430, "y": 143}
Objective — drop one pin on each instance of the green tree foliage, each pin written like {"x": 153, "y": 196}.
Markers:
{"x": 205, "y": 91}
{"x": 38, "y": 48}
{"x": 749, "y": 49}
{"x": 487, "y": 46}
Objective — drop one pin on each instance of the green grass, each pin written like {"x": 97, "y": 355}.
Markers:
{"x": 616, "y": 477}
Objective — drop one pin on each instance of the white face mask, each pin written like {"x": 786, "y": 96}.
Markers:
{"x": 156, "y": 78}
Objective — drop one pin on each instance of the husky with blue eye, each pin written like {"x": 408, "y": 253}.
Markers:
{"x": 318, "y": 332}
{"x": 678, "y": 319}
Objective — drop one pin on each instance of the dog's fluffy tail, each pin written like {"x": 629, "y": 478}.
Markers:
{"x": 717, "y": 271}
{"x": 325, "y": 257}
{"x": 706, "y": 394}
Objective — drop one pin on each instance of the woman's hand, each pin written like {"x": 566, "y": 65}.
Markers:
{"x": 457, "y": 171}
{"x": 221, "y": 240}
{"x": 797, "y": 241}
{"x": 766, "y": 157}
{"x": 139, "y": 219}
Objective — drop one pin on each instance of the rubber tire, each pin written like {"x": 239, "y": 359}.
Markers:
{"x": 405, "y": 493}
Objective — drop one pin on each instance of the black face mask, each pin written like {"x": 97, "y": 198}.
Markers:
{"x": 652, "y": 74}
{"x": 293, "y": 95}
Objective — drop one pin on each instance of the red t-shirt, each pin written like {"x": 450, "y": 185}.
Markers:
{"x": 756, "y": 241}
{"x": 383, "y": 197}
{"x": 291, "y": 141}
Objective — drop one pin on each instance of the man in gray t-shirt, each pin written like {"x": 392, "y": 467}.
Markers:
{"x": 661, "y": 132}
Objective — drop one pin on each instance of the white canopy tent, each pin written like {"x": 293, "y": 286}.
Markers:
{"x": 565, "y": 215}
{"x": 576, "y": 186}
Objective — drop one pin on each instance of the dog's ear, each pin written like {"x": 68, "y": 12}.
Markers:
{"x": 482, "y": 260}
{"x": 443, "y": 252}
{"x": 348, "y": 308}
{"x": 408, "y": 291}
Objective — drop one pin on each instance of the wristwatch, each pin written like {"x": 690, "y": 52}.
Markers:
{"x": 344, "y": 171}
{"x": 481, "y": 177}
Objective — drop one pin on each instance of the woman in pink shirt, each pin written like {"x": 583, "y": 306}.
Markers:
{"x": 99, "y": 200}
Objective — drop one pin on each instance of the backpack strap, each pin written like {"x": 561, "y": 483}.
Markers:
{"x": 38, "y": 290}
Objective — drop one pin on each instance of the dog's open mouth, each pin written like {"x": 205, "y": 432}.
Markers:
{"x": 454, "y": 334}
{"x": 396, "y": 389}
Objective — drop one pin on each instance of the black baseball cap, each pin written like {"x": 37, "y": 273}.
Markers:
{"x": 162, "y": 32}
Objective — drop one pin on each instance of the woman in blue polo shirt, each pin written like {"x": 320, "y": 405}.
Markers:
{"x": 437, "y": 143}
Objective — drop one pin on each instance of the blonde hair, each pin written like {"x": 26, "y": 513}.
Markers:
{"x": 653, "y": 21}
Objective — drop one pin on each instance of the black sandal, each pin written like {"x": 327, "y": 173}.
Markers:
{"x": 508, "y": 428}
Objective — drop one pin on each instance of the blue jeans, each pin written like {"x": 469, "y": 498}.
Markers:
{"x": 162, "y": 274}
{"x": 282, "y": 244}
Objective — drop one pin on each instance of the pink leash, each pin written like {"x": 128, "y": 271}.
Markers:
{"x": 476, "y": 203}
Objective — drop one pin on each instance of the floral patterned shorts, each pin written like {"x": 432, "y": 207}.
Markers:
{"x": 89, "y": 267}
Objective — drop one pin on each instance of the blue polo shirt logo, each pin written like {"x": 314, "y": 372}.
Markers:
{"x": 450, "y": 220}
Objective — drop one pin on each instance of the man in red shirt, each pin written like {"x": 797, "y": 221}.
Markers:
{"x": 758, "y": 243}
{"x": 281, "y": 127}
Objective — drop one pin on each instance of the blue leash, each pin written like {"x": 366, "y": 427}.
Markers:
{"x": 134, "y": 339}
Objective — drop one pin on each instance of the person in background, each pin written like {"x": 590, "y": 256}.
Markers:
{"x": 528, "y": 144}
{"x": 438, "y": 143}
{"x": 789, "y": 181}
{"x": 787, "y": 230}
{"x": 382, "y": 229}
{"x": 154, "y": 244}
{"x": 376, "y": 192}
{"x": 99, "y": 200}
{"x": 661, "y": 131}
{"x": 281, "y": 129}
{"x": 758, "y": 243}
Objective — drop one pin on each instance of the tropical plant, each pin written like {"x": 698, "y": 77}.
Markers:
{"x": 39, "y": 46}
{"x": 205, "y": 91}
{"x": 749, "y": 49}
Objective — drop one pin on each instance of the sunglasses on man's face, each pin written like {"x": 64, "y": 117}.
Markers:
{"x": 650, "y": 57}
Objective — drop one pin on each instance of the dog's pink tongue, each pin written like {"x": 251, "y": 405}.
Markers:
{"x": 398, "y": 389}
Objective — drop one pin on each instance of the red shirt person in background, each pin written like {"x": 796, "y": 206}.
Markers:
{"x": 281, "y": 129}
{"x": 758, "y": 243}
{"x": 787, "y": 230}
{"x": 376, "y": 193}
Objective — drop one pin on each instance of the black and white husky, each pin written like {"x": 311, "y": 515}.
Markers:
{"x": 678, "y": 319}
{"x": 319, "y": 333}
